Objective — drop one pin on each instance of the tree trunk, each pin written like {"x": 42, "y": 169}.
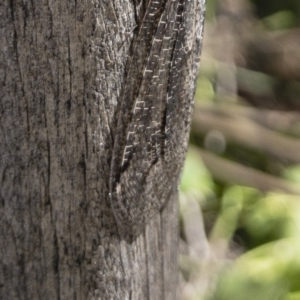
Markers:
{"x": 62, "y": 69}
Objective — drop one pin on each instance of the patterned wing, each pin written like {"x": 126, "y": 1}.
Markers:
{"x": 154, "y": 119}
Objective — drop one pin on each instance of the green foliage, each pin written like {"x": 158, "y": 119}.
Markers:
{"x": 271, "y": 271}
{"x": 293, "y": 174}
{"x": 204, "y": 90}
{"x": 196, "y": 178}
{"x": 270, "y": 226}
{"x": 284, "y": 19}
{"x": 254, "y": 229}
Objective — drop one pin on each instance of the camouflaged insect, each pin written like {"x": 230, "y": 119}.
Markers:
{"x": 155, "y": 111}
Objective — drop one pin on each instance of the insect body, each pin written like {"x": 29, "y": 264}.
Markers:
{"x": 155, "y": 111}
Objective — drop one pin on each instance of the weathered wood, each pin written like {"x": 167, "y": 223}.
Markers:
{"x": 62, "y": 69}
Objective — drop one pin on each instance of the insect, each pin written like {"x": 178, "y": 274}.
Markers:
{"x": 155, "y": 111}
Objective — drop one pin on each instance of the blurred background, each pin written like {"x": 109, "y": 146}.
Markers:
{"x": 240, "y": 190}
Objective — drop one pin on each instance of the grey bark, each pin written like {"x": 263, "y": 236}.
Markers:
{"x": 62, "y": 68}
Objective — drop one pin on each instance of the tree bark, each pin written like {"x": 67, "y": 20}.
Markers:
{"x": 62, "y": 68}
